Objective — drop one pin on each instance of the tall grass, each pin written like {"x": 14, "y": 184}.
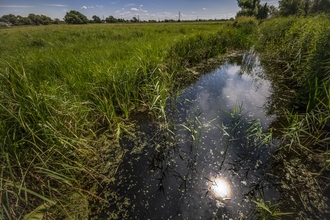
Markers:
{"x": 300, "y": 50}
{"x": 62, "y": 87}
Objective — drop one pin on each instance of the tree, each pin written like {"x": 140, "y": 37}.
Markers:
{"x": 263, "y": 11}
{"x": 111, "y": 19}
{"x": 303, "y": 7}
{"x": 56, "y": 21}
{"x": 10, "y": 18}
{"x": 24, "y": 20}
{"x": 290, "y": 7}
{"x": 273, "y": 11}
{"x": 75, "y": 17}
{"x": 45, "y": 20}
{"x": 253, "y": 8}
{"x": 134, "y": 19}
{"x": 96, "y": 19}
{"x": 248, "y": 7}
{"x": 320, "y": 6}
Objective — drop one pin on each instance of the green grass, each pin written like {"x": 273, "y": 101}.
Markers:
{"x": 300, "y": 51}
{"x": 67, "y": 93}
{"x": 63, "y": 87}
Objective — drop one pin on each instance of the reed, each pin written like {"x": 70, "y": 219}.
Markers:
{"x": 299, "y": 48}
{"x": 62, "y": 87}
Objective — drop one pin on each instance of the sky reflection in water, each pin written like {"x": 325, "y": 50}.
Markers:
{"x": 180, "y": 183}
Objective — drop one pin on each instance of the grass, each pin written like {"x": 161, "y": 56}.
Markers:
{"x": 64, "y": 87}
{"x": 67, "y": 93}
{"x": 299, "y": 48}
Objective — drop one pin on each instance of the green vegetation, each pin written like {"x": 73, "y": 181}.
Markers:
{"x": 75, "y": 17}
{"x": 296, "y": 52}
{"x": 67, "y": 93}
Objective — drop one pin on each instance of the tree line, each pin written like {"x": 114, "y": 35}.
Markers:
{"x": 285, "y": 8}
{"x": 248, "y": 8}
{"x": 31, "y": 19}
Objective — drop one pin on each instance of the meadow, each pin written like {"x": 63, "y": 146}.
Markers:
{"x": 67, "y": 93}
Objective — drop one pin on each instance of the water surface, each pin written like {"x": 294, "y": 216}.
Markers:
{"x": 173, "y": 172}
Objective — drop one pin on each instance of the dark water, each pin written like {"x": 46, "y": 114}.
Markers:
{"x": 214, "y": 129}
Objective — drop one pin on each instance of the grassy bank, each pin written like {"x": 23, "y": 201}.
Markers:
{"x": 66, "y": 96}
{"x": 297, "y": 53}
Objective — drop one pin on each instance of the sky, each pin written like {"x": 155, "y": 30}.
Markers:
{"x": 127, "y": 9}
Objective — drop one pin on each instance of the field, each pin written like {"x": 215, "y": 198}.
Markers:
{"x": 67, "y": 93}
{"x": 64, "y": 87}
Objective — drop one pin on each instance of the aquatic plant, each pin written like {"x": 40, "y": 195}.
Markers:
{"x": 267, "y": 210}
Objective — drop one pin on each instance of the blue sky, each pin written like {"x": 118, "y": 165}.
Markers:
{"x": 145, "y": 9}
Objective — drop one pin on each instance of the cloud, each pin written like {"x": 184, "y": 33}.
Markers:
{"x": 204, "y": 9}
{"x": 55, "y": 5}
{"x": 99, "y": 6}
{"x": 134, "y": 9}
{"x": 125, "y": 13}
{"x": 193, "y": 12}
{"x": 142, "y": 9}
{"x": 129, "y": 5}
{"x": 16, "y": 6}
{"x": 86, "y": 7}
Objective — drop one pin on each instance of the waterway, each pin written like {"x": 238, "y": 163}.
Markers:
{"x": 209, "y": 159}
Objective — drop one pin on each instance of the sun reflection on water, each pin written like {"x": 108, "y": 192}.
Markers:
{"x": 219, "y": 188}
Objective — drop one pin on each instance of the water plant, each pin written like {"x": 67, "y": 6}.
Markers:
{"x": 266, "y": 210}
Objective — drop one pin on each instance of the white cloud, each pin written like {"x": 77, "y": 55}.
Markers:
{"x": 128, "y": 5}
{"x": 204, "y": 9}
{"x": 86, "y": 7}
{"x": 125, "y": 13}
{"x": 134, "y": 9}
{"x": 55, "y": 5}
{"x": 16, "y": 6}
{"x": 193, "y": 12}
{"x": 99, "y": 6}
{"x": 142, "y": 9}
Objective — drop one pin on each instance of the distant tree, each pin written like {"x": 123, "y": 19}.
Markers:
{"x": 111, "y": 19}
{"x": 320, "y": 6}
{"x": 56, "y": 21}
{"x": 134, "y": 19}
{"x": 290, "y": 7}
{"x": 36, "y": 19}
{"x": 273, "y": 11}
{"x": 303, "y": 7}
{"x": 248, "y": 7}
{"x": 263, "y": 11}
{"x": 75, "y": 17}
{"x": 45, "y": 20}
{"x": 24, "y": 20}
{"x": 96, "y": 19}
{"x": 121, "y": 20}
{"x": 10, "y": 18}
